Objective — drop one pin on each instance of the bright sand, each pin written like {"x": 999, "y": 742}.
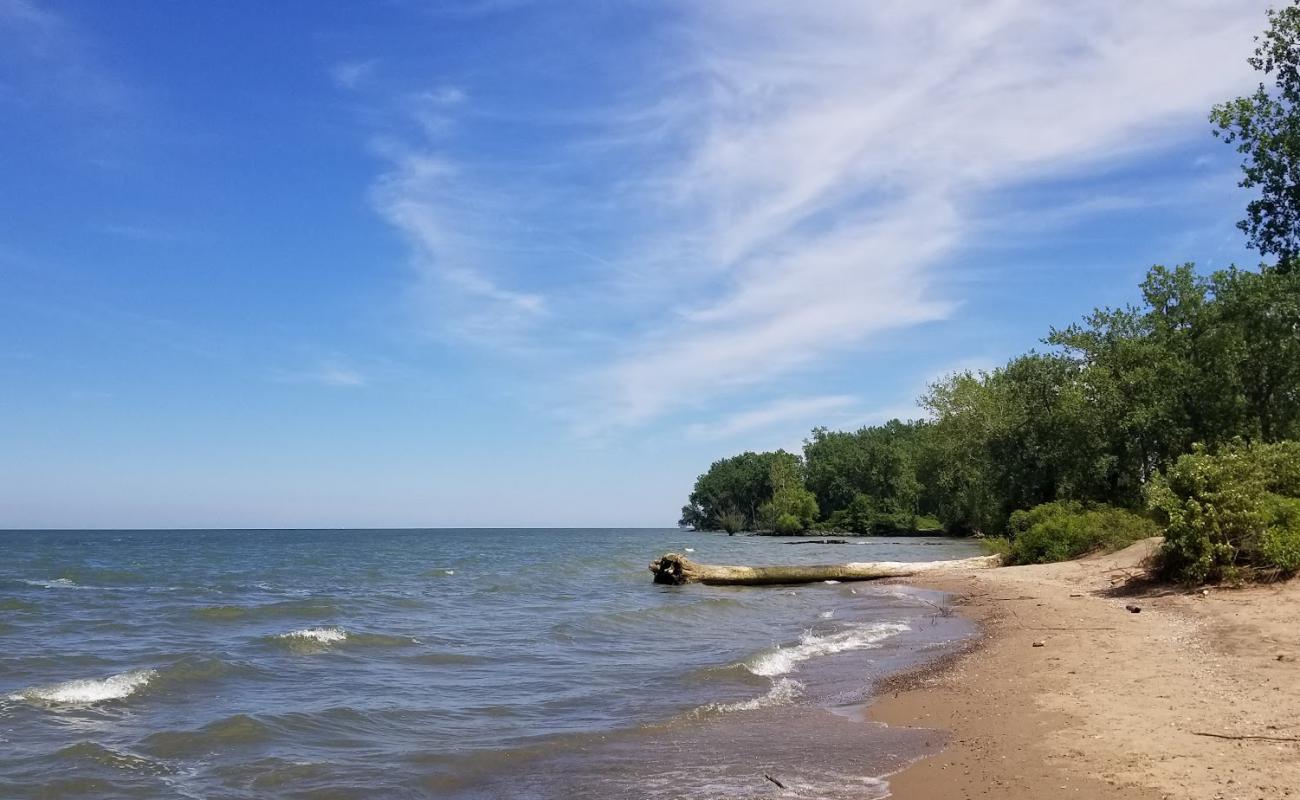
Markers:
{"x": 1111, "y": 704}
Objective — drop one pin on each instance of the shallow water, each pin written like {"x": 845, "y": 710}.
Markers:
{"x": 459, "y": 664}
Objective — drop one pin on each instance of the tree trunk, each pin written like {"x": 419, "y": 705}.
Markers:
{"x": 677, "y": 569}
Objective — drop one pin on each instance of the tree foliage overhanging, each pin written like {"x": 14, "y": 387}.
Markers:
{"x": 1154, "y": 407}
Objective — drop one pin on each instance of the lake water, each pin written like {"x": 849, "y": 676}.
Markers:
{"x": 446, "y": 663}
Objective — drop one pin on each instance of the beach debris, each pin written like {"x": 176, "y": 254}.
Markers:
{"x": 675, "y": 569}
{"x": 1285, "y": 657}
{"x": 1133, "y": 609}
{"x": 1237, "y": 736}
{"x": 1040, "y": 643}
{"x": 779, "y": 785}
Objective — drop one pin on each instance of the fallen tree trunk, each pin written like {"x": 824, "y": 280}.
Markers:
{"x": 677, "y": 569}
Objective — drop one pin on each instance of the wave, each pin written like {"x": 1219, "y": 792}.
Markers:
{"x": 443, "y": 658}
{"x": 223, "y": 734}
{"x": 319, "y": 635}
{"x": 783, "y": 692}
{"x": 57, "y": 583}
{"x": 97, "y": 753}
{"x": 811, "y": 645}
{"x": 201, "y": 669}
{"x": 636, "y": 621}
{"x": 317, "y": 640}
{"x": 288, "y": 608}
{"x": 88, "y": 691}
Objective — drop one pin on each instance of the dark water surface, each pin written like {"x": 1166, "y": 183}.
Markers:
{"x": 446, "y": 663}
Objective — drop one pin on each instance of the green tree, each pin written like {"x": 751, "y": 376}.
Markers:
{"x": 1256, "y": 327}
{"x": 876, "y": 462}
{"x": 792, "y": 508}
{"x": 1149, "y": 376}
{"x": 731, "y": 493}
{"x": 1265, "y": 126}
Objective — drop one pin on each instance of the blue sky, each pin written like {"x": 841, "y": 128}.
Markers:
{"x": 538, "y": 263}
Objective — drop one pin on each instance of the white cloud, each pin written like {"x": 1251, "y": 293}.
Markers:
{"x": 332, "y": 373}
{"x": 782, "y": 412}
{"x": 46, "y": 62}
{"x": 444, "y": 218}
{"x": 845, "y": 147}
{"x": 353, "y": 74}
{"x": 793, "y": 180}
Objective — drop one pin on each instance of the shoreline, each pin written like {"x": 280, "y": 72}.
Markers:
{"x": 1110, "y": 704}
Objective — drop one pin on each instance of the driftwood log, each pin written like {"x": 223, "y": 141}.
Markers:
{"x": 677, "y": 569}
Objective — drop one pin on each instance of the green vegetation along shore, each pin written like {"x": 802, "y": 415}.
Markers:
{"x": 1178, "y": 414}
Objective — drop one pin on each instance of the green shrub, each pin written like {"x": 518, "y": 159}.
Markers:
{"x": 924, "y": 523}
{"x": 788, "y": 525}
{"x": 996, "y": 546}
{"x": 1281, "y": 464}
{"x": 1230, "y": 509}
{"x": 1064, "y": 530}
{"x": 1279, "y": 547}
{"x": 732, "y": 522}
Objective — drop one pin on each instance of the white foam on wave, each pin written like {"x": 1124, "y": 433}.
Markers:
{"x": 322, "y": 635}
{"x": 86, "y": 691}
{"x": 57, "y": 583}
{"x": 783, "y": 692}
{"x": 811, "y": 645}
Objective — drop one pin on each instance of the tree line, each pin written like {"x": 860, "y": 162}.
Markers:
{"x": 1164, "y": 410}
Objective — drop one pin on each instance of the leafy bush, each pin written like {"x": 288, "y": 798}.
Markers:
{"x": 925, "y": 523}
{"x": 732, "y": 522}
{"x": 996, "y": 546}
{"x": 788, "y": 525}
{"x": 1228, "y": 510}
{"x": 1064, "y": 530}
{"x": 1279, "y": 547}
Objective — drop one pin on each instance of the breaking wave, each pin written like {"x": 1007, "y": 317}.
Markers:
{"x": 87, "y": 691}
{"x": 784, "y": 660}
{"x": 783, "y": 692}
{"x": 322, "y": 635}
{"x": 57, "y": 583}
{"x": 320, "y": 639}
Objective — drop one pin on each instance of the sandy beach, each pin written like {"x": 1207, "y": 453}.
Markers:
{"x": 1070, "y": 694}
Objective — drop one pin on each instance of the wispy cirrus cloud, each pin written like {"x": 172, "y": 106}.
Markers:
{"x": 775, "y": 188}
{"x": 353, "y": 74}
{"x": 783, "y": 412}
{"x": 845, "y": 149}
{"x": 453, "y": 225}
{"x": 333, "y": 373}
{"x": 46, "y": 61}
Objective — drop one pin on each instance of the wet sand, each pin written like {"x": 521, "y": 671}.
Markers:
{"x": 1111, "y": 703}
